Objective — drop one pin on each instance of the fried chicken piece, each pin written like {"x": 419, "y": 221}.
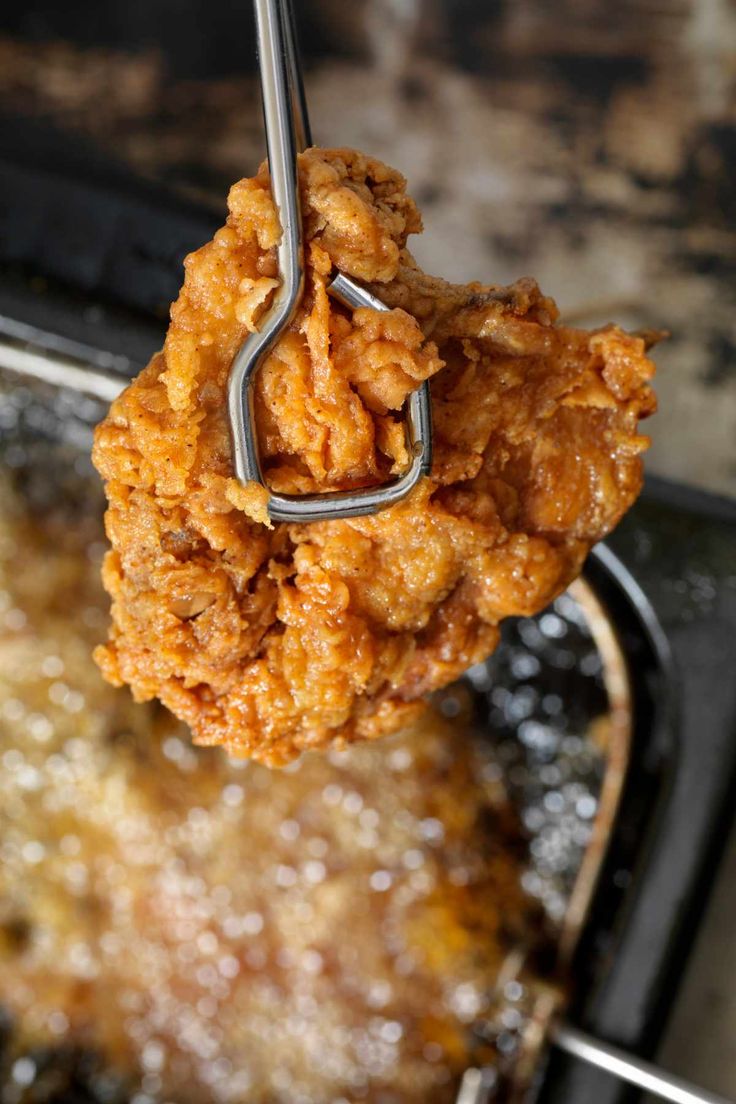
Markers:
{"x": 269, "y": 640}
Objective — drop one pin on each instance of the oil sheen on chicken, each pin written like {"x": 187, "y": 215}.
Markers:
{"x": 269, "y": 640}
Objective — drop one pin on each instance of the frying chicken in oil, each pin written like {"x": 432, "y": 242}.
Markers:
{"x": 270, "y": 640}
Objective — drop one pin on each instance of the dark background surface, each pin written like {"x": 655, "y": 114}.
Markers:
{"x": 590, "y": 145}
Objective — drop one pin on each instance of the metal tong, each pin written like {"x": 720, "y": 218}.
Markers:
{"x": 44, "y": 356}
{"x": 287, "y": 133}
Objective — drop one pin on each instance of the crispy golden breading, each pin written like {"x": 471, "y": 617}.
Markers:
{"x": 272, "y": 640}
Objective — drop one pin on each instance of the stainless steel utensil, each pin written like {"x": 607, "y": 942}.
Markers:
{"x": 287, "y": 132}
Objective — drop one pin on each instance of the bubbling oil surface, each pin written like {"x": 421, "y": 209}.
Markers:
{"x": 178, "y": 926}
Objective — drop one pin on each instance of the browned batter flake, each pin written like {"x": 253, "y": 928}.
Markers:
{"x": 272, "y": 640}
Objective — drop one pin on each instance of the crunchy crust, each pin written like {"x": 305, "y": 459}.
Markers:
{"x": 269, "y": 640}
